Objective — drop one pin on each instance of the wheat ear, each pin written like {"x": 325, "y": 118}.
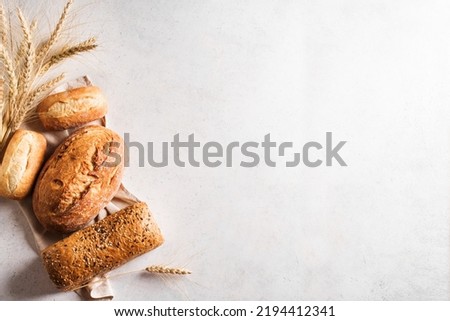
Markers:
{"x": 20, "y": 53}
{"x": 2, "y": 107}
{"x": 25, "y": 75}
{"x": 12, "y": 80}
{"x": 11, "y": 84}
{"x": 84, "y": 46}
{"x": 4, "y": 42}
{"x": 3, "y": 26}
{"x": 160, "y": 269}
{"x": 54, "y": 37}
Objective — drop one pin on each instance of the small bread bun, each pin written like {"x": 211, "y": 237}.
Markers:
{"x": 74, "y": 261}
{"x": 72, "y": 108}
{"x": 23, "y": 159}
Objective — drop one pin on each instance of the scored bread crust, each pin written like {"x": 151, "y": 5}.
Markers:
{"x": 23, "y": 158}
{"x": 72, "y": 108}
{"x": 79, "y": 179}
{"x": 74, "y": 261}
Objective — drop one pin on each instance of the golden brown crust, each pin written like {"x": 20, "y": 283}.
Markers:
{"x": 21, "y": 163}
{"x": 72, "y": 108}
{"x": 79, "y": 179}
{"x": 74, "y": 261}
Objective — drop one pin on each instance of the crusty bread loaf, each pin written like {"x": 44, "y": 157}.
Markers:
{"x": 21, "y": 163}
{"x": 79, "y": 179}
{"x": 74, "y": 261}
{"x": 72, "y": 108}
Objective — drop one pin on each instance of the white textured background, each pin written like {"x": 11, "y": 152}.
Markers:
{"x": 375, "y": 73}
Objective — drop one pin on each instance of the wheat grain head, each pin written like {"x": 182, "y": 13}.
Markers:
{"x": 161, "y": 269}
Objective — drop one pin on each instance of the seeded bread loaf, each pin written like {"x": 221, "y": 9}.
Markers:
{"x": 72, "y": 108}
{"x": 79, "y": 179}
{"x": 23, "y": 158}
{"x": 74, "y": 261}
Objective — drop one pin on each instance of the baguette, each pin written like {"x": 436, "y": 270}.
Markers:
{"x": 79, "y": 179}
{"x": 74, "y": 261}
{"x": 21, "y": 163}
{"x": 72, "y": 108}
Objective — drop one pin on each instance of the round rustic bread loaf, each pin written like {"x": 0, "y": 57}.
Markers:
{"x": 79, "y": 179}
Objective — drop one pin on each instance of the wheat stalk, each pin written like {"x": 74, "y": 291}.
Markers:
{"x": 8, "y": 65}
{"x": 23, "y": 66}
{"x": 22, "y": 47}
{"x": 25, "y": 75}
{"x": 2, "y": 104}
{"x": 54, "y": 37}
{"x": 3, "y": 26}
{"x": 3, "y": 41}
{"x": 161, "y": 269}
{"x": 156, "y": 269}
{"x": 68, "y": 52}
